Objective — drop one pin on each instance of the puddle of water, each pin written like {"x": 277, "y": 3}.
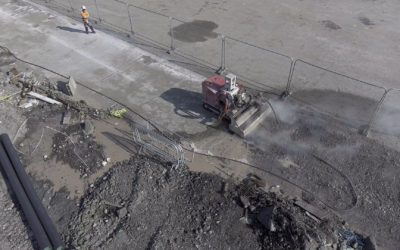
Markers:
{"x": 195, "y": 31}
{"x": 60, "y": 175}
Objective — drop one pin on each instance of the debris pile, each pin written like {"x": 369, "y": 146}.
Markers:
{"x": 146, "y": 205}
{"x": 44, "y": 90}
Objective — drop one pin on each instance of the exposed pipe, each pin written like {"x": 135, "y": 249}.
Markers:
{"x": 31, "y": 193}
{"x": 30, "y": 215}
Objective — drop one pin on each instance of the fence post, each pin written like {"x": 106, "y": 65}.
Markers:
{"x": 363, "y": 130}
{"x": 223, "y": 58}
{"x": 287, "y": 92}
{"x": 171, "y": 32}
{"x": 70, "y": 4}
{"x": 97, "y": 9}
{"x": 130, "y": 19}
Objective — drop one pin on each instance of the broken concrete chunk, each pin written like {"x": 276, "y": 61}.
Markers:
{"x": 245, "y": 218}
{"x": 265, "y": 217}
{"x": 66, "y": 119}
{"x": 88, "y": 127}
{"x": 245, "y": 201}
{"x": 71, "y": 86}
{"x": 26, "y": 105}
{"x": 67, "y": 88}
{"x": 122, "y": 212}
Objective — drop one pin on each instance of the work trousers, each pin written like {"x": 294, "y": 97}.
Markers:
{"x": 87, "y": 25}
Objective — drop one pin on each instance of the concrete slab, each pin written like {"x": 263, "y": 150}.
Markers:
{"x": 149, "y": 84}
{"x": 359, "y": 38}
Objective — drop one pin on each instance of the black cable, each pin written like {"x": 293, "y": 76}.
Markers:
{"x": 354, "y": 200}
{"x": 273, "y": 111}
{"x": 83, "y": 85}
{"x": 219, "y": 157}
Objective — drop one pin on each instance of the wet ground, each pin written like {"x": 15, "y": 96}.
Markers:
{"x": 327, "y": 165}
{"x": 195, "y": 31}
{"x": 100, "y": 192}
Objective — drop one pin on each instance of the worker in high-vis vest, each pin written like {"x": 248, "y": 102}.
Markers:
{"x": 85, "y": 19}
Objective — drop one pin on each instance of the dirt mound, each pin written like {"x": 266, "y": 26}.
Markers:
{"x": 142, "y": 204}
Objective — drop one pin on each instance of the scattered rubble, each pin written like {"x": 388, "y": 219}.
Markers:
{"x": 144, "y": 204}
{"x": 179, "y": 209}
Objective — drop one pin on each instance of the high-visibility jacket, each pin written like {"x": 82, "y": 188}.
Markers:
{"x": 85, "y": 14}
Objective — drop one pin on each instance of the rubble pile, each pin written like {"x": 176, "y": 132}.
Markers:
{"x": 145, "y": 205}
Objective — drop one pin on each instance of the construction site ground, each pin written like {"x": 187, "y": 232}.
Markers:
{"x": 319, "y": 173}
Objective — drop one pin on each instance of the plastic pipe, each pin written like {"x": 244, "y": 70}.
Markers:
{"x": 29, "y": 212}
{"x": 31, "y": 193}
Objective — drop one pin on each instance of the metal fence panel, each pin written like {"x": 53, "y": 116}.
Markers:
{"x": 197, "y": 40}
{"x": 151, "y": 25}
{"x": 90, "y": 6}
{"x": 158, "y": 145}
{"x": 66, "y": 4}
{"x": 114, "y": 13}
{"x": 58, "y": 5}
{"x": 351, "y": 100}
{"x": 387, "y": 119}
{"x": 265, "y": 69}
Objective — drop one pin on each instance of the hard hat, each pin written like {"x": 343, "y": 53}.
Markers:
{"x": 83, "y": 7}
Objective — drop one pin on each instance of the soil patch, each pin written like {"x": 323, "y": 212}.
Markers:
{"x": 173, "y": 208}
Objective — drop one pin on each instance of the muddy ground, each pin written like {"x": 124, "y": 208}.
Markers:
{"x": 142, "y": 198}
{"x": 348, "y": 173}
{"x": 101, "y": 193}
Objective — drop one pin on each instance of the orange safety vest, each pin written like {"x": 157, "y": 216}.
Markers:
{"x": 85, "y": 14}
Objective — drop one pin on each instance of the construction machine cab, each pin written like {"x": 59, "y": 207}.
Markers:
{"x": 227, "y": 97}
{"x": 230, "y": 82}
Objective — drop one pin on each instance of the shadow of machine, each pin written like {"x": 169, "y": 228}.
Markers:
{"x": 188, "y": 105}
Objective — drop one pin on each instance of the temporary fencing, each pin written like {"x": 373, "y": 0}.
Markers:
{"x": 262, "y": 68}
{"x": 387, "y": 118}
{"x": 159, "y": 145}
{"x": 346, "y": 98}
{"x": 150, "y": 25}
{"x": 194, "y": 40}
{"x": 356, "y": 102}
{"x": 114, "y": 13}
